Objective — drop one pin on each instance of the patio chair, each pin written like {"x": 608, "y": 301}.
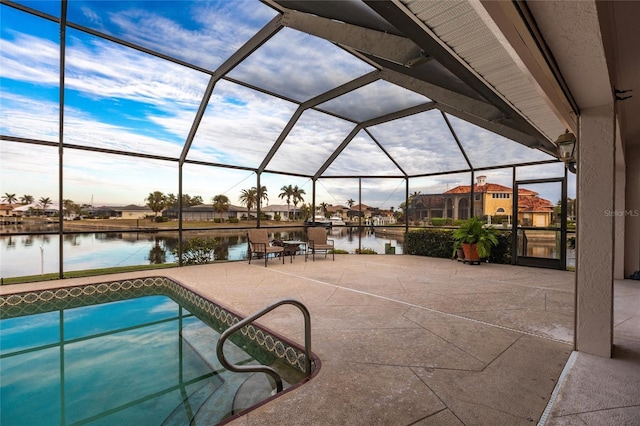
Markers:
{"x": 259, "y": 245}
{"x": 317, "y": 241}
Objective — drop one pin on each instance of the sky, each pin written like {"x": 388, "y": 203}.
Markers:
{"x": 119, "y": 98}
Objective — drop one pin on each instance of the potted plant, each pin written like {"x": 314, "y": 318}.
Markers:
{"x": 475, "y": 238}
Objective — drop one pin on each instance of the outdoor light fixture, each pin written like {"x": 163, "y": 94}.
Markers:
{"x": 566, "y": 146}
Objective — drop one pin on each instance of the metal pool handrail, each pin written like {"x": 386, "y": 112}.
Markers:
{"x": 264, "y": 368}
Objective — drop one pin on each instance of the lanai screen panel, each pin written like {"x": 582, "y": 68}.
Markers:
{"x": 362, "y": 157}
{"x": 276, "y": 185}
{"x": 29, "y": 171}
{"x": 299, "y": 66}
{"x": 240, "y": 125}
{"x": 50, "y": 7}
{"x": 201, "y": 33}
{"x": 310, "y": 143}
{"x": 208, "y": 181}
{"x": 108, "y": 179}
{"x": 487, "y": 149}
{"x": 373, "y": 100}
{"x": 123, "y": 99}
{"x": 29, "y": 81}
{"x": 421, "y": 143}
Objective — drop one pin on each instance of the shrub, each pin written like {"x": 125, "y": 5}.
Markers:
{"x": 366, "y": 251}
{"x": 438, "y": 221}
{"x": 234, "y": 220}
{"x": 430, "y": 242}
{"x": 160, "y": 219}
{"x": 277, "y": 217}
{"x": 197, "y": 251}
{"x": 499, "y": 218}
{"x": 439, "y": 243}
{"x": 501, "y": 252}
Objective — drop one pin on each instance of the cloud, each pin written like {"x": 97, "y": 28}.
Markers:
{"x": 373, "y": 100}
{"x": 101, "y": 69}
{"x": 19, "y": 63}
{"x": 421, "y": 143}
{"x": 29, "y": 117}
{"x": 313, "y": 67}
{"x": 240, "y": 126}
{"x": 310, "y": 143}
{"x": 212, "y": 30}
{"x": 486, "y": 149}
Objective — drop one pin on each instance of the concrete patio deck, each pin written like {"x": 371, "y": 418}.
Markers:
{"x": 407, "y": 340}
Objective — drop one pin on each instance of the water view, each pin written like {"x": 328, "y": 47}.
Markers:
{"x": 24, "y": 255}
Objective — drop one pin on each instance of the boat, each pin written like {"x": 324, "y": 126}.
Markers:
{"x": 336, "y": 220}
{"x": 318, "y": 221}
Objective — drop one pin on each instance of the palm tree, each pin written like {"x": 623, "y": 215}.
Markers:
{"x": 413, "y": 196}
{"x": 351, "y": 202}
{"x": 263, "y": 194}
{"x": 412, "y": 205}
{"x": 186, "y": 200}
{"x": 44, "y": 203}
{"x": 297, "y": 197}
{"x": 171, "y": 200}
{"x": 69, "y": 206}
{"x": 220, "y": 204}
{"x": 287, "y": 192}
{"x": 323, "y": 207}
{"x": 26, "y": 199}
{"x": 156, "y": 201}
{"x": 249, "y": 197}
{"x": 9, "y": 198}
{"x": 305, "y": 210}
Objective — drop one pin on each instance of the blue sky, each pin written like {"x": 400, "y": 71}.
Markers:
{"x": 119, "y": 98}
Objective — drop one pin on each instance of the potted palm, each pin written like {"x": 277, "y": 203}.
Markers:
{"x": 475, "y": 238}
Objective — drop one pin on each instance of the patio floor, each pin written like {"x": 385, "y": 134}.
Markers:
{"x": 407, "y": 340}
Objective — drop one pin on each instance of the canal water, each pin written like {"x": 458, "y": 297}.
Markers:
{"x": 39, "y": 254}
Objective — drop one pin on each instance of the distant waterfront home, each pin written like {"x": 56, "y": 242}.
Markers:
{"x": 371, "y": 215}
{"x": 341, "y": 211}
{"x": 133, "y": 212}
{"x": 6, "y": 210}
{"x": 204, "y": 212}
{"x": 274, "y": 210}
{"x": 35, "y": 209}
{"x": 490, "y": 199}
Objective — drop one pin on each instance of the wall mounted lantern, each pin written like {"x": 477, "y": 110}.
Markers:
{"x": 566, "y": 146}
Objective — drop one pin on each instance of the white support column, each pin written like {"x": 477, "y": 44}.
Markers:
{"x": 632, "y": 210}
{"x": 596, "y": 214}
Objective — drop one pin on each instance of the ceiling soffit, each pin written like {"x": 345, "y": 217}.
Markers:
{"x": 468, "y": 30}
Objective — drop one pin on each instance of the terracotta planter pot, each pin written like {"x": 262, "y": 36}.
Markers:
{"x": 470, "y": 253}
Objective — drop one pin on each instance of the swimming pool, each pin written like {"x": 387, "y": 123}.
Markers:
{"x": 134, "y": 351}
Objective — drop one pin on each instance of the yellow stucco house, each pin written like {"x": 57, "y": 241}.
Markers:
{"x": 490, "y": 199}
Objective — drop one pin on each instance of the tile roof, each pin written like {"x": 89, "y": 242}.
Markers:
{"x": 534, "y": 204}
{"x": 487, "y": 187}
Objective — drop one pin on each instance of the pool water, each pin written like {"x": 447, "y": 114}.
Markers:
{"x": 145, "y": 360}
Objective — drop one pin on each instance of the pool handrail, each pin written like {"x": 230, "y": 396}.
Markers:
{"x": 263, "y": 368}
